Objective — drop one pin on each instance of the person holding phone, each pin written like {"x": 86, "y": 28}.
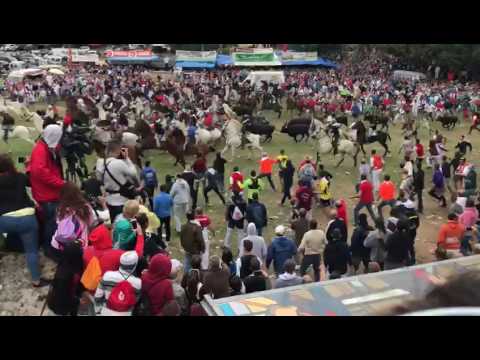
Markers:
{"x": 117, "y": 169}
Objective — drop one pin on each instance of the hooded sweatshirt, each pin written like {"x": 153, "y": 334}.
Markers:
{"x": 259, "y": 248}
{"x": 450, "y": 235}
{"x": 280, "y": 250}
{"x": 180, "y": 192}
{"x": 287, "y": 279}
{"x": 469, "y": 217}
{"x": 156, "y": 284}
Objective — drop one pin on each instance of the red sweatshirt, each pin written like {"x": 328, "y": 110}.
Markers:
{"x": 46, "y": 175}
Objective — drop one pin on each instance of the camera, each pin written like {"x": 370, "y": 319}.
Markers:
{"x": 75, "y": 146}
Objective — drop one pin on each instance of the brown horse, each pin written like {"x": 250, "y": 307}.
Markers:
{"x": 175, "y": 146}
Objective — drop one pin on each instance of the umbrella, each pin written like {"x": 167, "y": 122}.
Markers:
{"x": 56, "y": 72}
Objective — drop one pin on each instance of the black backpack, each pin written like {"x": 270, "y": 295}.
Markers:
{"x": 143, "y": 306}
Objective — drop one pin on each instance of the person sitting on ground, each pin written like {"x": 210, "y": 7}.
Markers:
{"x": 449, "y": 238}
{"x": 258, "y": 280}
{"x": 192, "y": 281}
{"x": 178, "y": 290}
{"x": 216, "y": 279}
{"x": 129, "y": 212}
{"x": 156, "y": 285}
{"x": 67, "y": 291}
{"x": 227, "y": 259}
{"x": 280, "y": 250}
{"x": 336, "y": 255}
{"x": 128, "y": 263}
{"x": 288, "y": 278}
{"x": 236, "y": 285}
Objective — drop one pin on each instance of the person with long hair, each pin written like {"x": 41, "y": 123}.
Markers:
{"x": 74, "y": 209}
{"x": 17, "y": 215}
{"x": 66, "y": 293}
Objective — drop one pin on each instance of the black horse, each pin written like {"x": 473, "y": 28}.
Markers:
{"x": 376, "y": 120}
{"x": 380, "y": 136}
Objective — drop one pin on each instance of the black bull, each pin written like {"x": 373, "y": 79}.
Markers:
{"x": 296, "y": 128}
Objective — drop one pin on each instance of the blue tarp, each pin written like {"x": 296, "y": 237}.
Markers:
{"x": 133, "y": 59}
{"x": 195, "y": 65}
{"x": 224, "y": 60}
{"x": 319, "y": 62}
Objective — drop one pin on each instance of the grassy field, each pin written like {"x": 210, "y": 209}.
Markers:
{"x": 345, "y": 178}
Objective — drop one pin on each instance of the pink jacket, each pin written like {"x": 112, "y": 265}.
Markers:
{"x": 469, "y": 217}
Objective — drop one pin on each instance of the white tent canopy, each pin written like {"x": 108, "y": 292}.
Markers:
{"x": 18, "y": 75}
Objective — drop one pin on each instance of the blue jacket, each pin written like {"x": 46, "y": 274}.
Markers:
{"x": 438, "y": 179}
{"x": 149, "y": 175}
{"x": 162, "y": 205}
{"x": 280, "y": 250}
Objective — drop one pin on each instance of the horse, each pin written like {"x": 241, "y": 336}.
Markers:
{"x": 344, "y": 146}
{"x": 175, "y": 146}
{"x": 207, "y": 137}
{"x": 362, "y": 138}
{"x": 233, "y": 134}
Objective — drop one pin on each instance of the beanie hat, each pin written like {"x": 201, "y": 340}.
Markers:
{"x": 123, "y": 235}
{"x": 129, "y": 260}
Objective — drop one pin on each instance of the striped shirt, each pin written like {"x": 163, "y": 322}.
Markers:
{"x": 110, "y": 280}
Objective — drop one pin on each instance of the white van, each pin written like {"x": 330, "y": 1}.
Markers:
{"x": 256, "y": 77}
{"x": 54, "y": 59}
{"x": 16, "y": 65}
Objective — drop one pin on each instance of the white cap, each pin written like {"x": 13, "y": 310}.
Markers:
{"x": 280, "y": 230}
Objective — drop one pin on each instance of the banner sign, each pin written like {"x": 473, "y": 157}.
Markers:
{"x": 197, "y": 56}
{"x": 299, "y": 56}
{"x": 129, "y": 53}
{"x": 91, "y": 58}
{"x": 252, "y": 57}
{"x": 255, "y": 57}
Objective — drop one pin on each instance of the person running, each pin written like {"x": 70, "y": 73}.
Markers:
{"x": 253, "y": 185}
{"x": 212, "y": 183}
{"x": 287, "y": 181}
{"x": 236, "y": 181}
{"x": 376, "y": 165}
{"x": 266, "y": 168}
{"x": 365, "y": 197}
{"x": 386, "y": 194}
{"x": 438, "y": 189}
{"x": 219, "y": 167}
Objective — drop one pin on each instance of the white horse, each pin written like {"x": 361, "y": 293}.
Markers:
{"x": 205, "y": 136}
{"x": 344, "y": 146}
{"x": 23, "y": 133}
{"x": 233, "y": 134}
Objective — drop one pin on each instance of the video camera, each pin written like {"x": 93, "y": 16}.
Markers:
{"x": 75, "y": 146}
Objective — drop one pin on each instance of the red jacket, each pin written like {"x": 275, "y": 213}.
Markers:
{"x": 156, "y": 283}
{"x": 102, "y": 248}
{"x": 46, "y": 175}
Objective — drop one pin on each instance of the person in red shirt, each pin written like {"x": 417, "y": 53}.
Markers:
{"x": 304, "y": 196}
{"x": 236, "y": 179}
{"x": 341, "y": 206}
{"x": 475, "y": 123}
{"x": 365, "y": 197}
{"x": 386, "y": 194}
{"x": 266, "y": 168}
{"x": 419, "y": 150}
{"x": 46, "y": 179}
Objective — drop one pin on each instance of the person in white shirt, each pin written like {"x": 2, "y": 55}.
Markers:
{"x": 122, "y": 169}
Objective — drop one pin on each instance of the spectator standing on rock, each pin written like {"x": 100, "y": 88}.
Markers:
{"x": 46, "y": 179}
{"x": 17, "y": 215}
{"x": 117, "y": 169}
